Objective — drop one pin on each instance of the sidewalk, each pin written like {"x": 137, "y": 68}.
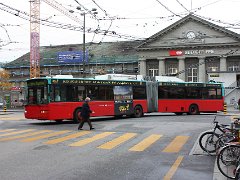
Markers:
{"x": 10, "y": 110}
{"x": 231, "y": 111}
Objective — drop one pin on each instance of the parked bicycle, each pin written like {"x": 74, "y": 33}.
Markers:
{"x": 228, "y": 160}
{"x": 237, "y": 176}
{"x": 228, "y": 136}
{"x": 208, "y": 139}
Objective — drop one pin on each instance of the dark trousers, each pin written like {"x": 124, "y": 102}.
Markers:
{"x": 83, "y": 120}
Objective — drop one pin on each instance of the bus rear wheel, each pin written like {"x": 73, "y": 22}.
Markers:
{"x": 193, "y": 109}
{"x": 178, "y": 113}
{"x": 138, "y": 112}
{"x": 59, "y": 121}
{"x": 77, "y": 117}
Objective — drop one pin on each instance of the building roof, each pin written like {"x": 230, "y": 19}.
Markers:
{"x": 183, "y": 22}
{"x": 99, "y": 53}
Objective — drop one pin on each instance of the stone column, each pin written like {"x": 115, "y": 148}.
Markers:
{"x": 202, "y": 70}
{"x": 223, "y": 64}
{"x": 161, "y": 67}
{"x": 181, "y": 67}
{"x": 142, "y": 66}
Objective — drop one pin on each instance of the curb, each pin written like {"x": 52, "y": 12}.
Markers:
{"x": 217, "y": 175}
{"x": 197, "y": 151}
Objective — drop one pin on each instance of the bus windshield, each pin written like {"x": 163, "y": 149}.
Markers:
{"x": 37, "y": 92}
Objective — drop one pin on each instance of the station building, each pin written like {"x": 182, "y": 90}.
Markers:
{"x": 193, "y": 49}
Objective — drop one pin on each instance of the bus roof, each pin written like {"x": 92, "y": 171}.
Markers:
{"x": 168, "y": 79}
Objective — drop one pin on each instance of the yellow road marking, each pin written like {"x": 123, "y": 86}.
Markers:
{"x": 173, "y": 169}
{"x": 115, "y": 142}
{"x": 11, "y": 119}
{"x": 176, "y": 144}
{"x": 89, "y": 140}
{"x": 24, "y": 135}
{"x": 17, "y": 132}
{"x": 44, "y": 136}
{"x": 7, "y": 130}
{"x": 144, "y": 144}
{"x": 58, "y": 140}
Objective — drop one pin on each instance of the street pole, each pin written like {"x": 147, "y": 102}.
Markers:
{"x": 84, "y": 55}
{"x": 93, "y": 11}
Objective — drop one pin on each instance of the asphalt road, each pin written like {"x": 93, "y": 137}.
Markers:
{"x": 156, "y": 146}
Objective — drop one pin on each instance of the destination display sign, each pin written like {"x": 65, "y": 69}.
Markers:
{"x": 96, "y": 82}
{"x": 37, "y": 82}
{"x": 189, "y": 84}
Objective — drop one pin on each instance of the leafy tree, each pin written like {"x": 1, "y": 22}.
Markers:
{"x": 5, "y": 85}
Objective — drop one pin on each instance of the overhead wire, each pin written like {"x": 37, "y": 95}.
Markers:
{"x": 45, "y": 22}
{"x": 107, "y": 32}
{"x": 182, "y": 5}
{"x": 167, "y": 8}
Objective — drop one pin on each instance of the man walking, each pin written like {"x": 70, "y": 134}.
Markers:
{"x": 85, "y": 114}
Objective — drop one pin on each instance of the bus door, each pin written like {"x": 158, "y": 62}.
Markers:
{"x": 152, "y": 96}
{"x": 123, "y": 100}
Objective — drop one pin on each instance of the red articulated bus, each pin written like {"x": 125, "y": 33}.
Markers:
{"x": 61, "y": 97}
{"x": 190, "y": 97}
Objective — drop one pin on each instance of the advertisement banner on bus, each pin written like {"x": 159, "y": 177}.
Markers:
{"x": 123, "y": 100}
{"x": 71, "y": 57}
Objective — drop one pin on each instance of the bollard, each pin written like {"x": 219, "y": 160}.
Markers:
{"x": 225, "y": 108}
{"x": 5, "y": 109}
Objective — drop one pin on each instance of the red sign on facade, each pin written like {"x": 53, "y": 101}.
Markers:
{"x": 16, "y": 88}
{"x": 176, "y": 53}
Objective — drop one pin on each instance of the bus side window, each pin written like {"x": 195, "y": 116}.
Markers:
{"x": 93, "y": 92}
{"x": 204, "y": 93}
{"x": 102, "y": 93}
{"x": 212, "y": 93}
{"x": 219, "y": 93}
{"x": 109, "y": 93}
{"x": 162, "y": 92}
{"x": 139, "y": 92}
{"x": 80, "y": 92}
{"x": 51, "y": 95}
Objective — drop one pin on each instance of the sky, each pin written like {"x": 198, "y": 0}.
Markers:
{"x": 118, "y": 20}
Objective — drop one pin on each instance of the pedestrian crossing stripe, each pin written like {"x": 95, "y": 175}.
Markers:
{"x": 24, "y": 135}
{"x": 44, "y": 136}
{"x": 6, "y": 130}
{"x": 176, "y": 145}
{"x": 144, "y": 144}
{"x": 117, "y": 141}
{"x": 11, "y": 119}
{"x": 71, "y": 136}
{"x": 89, "y": 140}
{"x": 16, "y": 132}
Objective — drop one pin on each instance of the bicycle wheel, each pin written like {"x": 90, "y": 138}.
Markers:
{"x": 237, "y": 177}
{"x": 227, "y": 160}
{"x": 222, "y": 140}
{"x": 207, "y": 141}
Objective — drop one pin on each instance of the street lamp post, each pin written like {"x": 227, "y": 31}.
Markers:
{"x": 93, "y": 11}
{"x": 84, "y": 48}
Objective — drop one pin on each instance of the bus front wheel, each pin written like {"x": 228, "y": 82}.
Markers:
{"x": 77, "y": 116}
{"x": 193, "y": 109}
{"x": 138, "y": 112}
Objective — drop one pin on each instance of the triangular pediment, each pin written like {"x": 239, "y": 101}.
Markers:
{"x": 191, "y": 31}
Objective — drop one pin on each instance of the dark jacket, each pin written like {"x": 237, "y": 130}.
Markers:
{"x": 85, "y": 112}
